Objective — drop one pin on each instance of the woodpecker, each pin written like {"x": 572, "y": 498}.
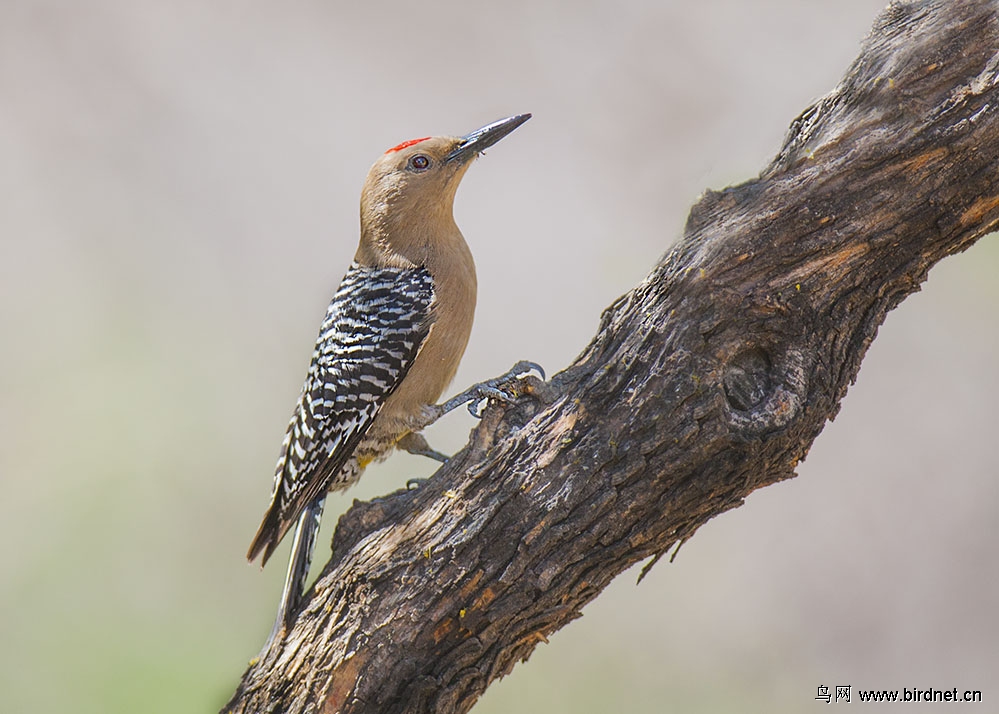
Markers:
{"x": 389, "y": 345}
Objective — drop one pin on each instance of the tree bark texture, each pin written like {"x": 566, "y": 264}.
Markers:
{"x": 709, "y": 380}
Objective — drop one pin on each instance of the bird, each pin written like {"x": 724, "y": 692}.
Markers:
{"x": 389, "y": 344}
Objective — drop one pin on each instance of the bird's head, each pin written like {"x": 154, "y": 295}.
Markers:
{"x": 412, "y": 186}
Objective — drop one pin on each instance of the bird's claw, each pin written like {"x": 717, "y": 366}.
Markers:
{"x": 484, "y": 392}
{"x": 502, "y": 388}
{"x": 525, "y": 367}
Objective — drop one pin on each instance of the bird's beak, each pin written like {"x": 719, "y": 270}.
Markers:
{"x": 481, "y": 139}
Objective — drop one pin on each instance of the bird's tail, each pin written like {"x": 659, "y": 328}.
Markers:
{"x": 302, "y": 546}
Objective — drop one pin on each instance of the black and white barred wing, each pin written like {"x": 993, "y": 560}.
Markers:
{"x": 374, "y": 328}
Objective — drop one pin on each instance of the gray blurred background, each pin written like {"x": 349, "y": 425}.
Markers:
{"x": 178, "y": 198}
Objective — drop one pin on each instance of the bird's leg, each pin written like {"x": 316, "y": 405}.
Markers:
{"x": 415, "y": 443}
{"x": 502, "y": 388}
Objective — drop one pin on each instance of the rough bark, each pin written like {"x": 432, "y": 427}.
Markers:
{"x": 709, "y": 380}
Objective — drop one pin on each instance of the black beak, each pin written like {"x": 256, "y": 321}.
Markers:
{"x": 481, "y": 139}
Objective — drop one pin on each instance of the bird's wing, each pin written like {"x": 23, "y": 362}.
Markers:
{"x": 375, "y": 326}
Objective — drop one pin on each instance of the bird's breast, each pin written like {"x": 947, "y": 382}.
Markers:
{"x": 453, "y": 312}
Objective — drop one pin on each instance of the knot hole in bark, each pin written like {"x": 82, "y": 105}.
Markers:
{"x": 763, "y": 392}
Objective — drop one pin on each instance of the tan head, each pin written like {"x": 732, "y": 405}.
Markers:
{"x": 408, "y": 196}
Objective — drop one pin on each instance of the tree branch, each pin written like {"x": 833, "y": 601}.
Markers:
{"x": 709, "y": 380}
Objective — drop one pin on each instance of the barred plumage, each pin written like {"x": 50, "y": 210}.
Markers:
{"x": 375, "y": 325}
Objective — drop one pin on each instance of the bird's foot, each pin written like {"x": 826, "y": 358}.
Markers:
{"x": 505, "y": 388}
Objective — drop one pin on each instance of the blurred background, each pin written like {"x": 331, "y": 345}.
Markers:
{"x": 178, "y": 199}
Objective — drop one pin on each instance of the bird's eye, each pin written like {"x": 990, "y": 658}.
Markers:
{"x": 419, "y": 162}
